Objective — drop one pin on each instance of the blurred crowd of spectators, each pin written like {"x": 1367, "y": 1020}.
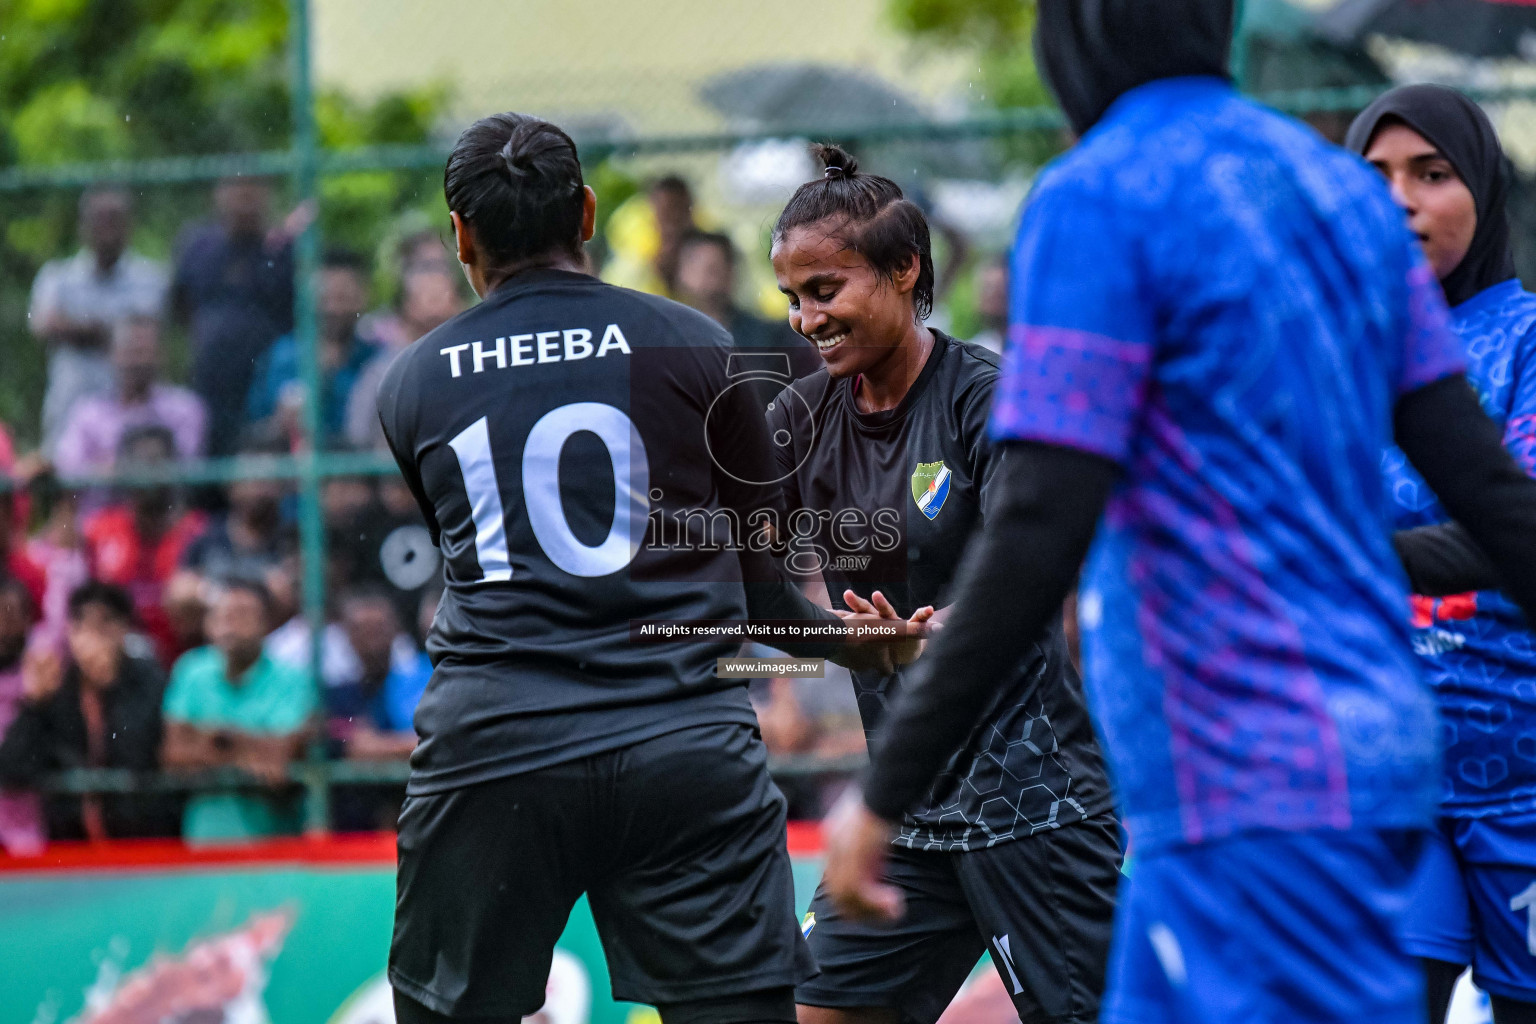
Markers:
{"x": 152, "y": 625}
{"x": 149, "y": 625}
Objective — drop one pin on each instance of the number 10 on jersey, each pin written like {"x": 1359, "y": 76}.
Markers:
{"x": 541, "y": 491}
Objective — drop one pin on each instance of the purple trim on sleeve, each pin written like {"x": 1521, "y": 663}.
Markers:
{"x": 1072, "y": 388}
{"x": 1431, "y": 350}
{"x": 1520, "y": 439}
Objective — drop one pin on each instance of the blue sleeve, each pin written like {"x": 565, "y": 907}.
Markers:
{"x": 1431, "y": 349}
{"x": 1520, "y": 427}
{"x": 1081, "y": 330}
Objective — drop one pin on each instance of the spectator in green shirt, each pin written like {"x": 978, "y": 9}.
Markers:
{"x": 229, "y": 704}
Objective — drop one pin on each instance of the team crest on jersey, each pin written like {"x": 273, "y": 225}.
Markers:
{"x": 930, "y": 486}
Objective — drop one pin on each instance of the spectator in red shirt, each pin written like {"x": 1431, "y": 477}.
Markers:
{"x": 138, "y": 544}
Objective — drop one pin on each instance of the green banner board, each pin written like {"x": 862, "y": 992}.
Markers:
{"x": 289, "y": 933}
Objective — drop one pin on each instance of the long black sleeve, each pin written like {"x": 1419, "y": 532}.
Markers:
{"x": 750, "y": 481}
{"x": 1444, "y": 559}
{"x": 1460, "y": 453}
{"x": 1013, "y": 579}
{"x": 771, "y": 596}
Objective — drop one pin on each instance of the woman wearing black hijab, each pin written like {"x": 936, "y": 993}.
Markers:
{"x": 1442, "y": 157}
{"x": 1472, "y": 903}
{"x": 1092, "y": 52}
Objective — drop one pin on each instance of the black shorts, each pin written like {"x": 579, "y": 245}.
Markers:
{"x": 678, "y": 842}
{"x": 1043, "y": 905}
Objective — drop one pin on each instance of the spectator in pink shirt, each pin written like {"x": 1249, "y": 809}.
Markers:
{"x": 96, "y": 424}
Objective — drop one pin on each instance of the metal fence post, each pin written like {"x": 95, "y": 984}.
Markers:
{"x": 1240, "y": 42}
{"x": 306, "y": 153}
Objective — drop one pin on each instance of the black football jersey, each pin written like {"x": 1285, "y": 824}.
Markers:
{"x": 888, "y": 501}
{"x": 584, "y": 456}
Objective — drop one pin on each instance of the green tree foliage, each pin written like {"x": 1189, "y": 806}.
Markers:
{"x": 89, "y": 80}
{"x": 999, "y": 35}
{"x": 998, "y": 32}
{"x": 93, "y": 79}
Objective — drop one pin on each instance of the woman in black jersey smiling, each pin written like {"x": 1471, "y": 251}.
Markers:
{"x": 557, "y": 757}
{"x": 887, "y": 469}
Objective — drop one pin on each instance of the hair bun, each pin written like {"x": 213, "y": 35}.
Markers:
{"x": 516, "y": 180}
{"x": 513, "y": 159}
{"x": 836, "y": 162}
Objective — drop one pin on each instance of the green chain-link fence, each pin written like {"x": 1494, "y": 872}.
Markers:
{"x": 737, "y": 134}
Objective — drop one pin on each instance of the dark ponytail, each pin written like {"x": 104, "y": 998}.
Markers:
{"x": 870, "y": 215}
{"x": 517, "y": 181}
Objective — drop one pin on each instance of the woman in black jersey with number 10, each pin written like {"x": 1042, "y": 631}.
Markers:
{"x": 887, "y": 470}
{"x": 539, "y": 432}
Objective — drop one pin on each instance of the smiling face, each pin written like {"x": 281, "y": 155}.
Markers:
{"x": 854, "y": 315}
{"x": 1441, "y": 210}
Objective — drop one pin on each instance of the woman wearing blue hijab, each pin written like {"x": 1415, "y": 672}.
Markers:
{"x": 1475, "y": 896}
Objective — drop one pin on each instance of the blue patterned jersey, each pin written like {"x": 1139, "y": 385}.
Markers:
{"x": 1476, "y": 649}
{"x": 1215, "y": 298}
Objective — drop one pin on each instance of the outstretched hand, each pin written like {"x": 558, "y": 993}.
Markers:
{"x": 295, "y": 224}
{"x": 882, "y": 655}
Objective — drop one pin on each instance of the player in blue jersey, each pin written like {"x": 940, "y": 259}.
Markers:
{"x": 1475, "y": 896}
{"x": 1218, "y": 323}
